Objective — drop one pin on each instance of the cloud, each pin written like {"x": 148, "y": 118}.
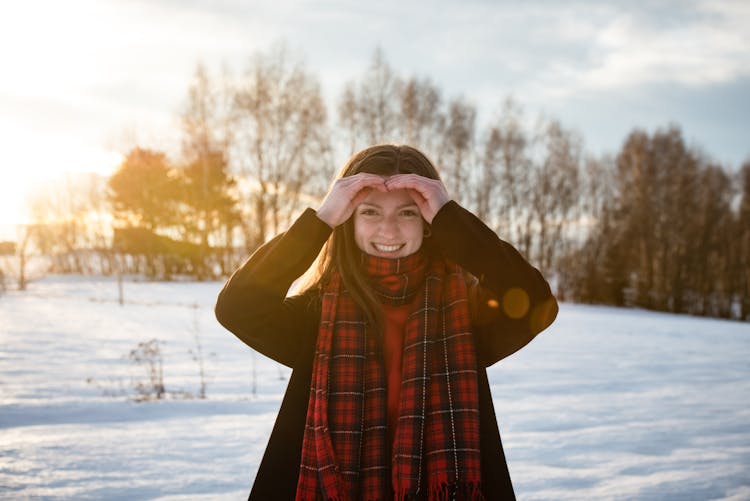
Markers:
{"x": 705, "y": 46}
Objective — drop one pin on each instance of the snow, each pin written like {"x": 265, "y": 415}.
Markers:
{"x": 606, "y": 404}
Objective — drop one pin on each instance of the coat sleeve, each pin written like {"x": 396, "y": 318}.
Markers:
{"x": 254, "y": 305}
{"x": 511, "y": 301}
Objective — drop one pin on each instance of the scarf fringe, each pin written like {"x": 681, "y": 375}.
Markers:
{"x": 462, "y": 491}
{"x": 456, "y": 492}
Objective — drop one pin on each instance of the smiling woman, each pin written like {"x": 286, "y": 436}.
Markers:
{"x": 389, "y": 341}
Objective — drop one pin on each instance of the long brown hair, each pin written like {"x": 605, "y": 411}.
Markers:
{"x": 341, "y": 253}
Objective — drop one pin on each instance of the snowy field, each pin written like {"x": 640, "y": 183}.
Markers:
{"x": 606, "y": 404}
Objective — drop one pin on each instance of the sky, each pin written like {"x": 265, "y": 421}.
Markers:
{"x": 83, "y": 81}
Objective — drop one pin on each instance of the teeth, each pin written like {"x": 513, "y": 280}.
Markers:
{"x": 387, "y": 248}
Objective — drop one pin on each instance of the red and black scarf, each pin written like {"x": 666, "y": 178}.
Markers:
{"x": 436, "y": 447}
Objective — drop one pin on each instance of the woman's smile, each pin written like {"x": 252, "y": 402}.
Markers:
{"x": 387, "y": 248}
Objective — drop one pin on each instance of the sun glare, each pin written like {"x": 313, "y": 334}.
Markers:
{"x": 53, "y": 52}
{"x": 33, "y": 163}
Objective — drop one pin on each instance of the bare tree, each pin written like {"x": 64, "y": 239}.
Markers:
{"x": 96, "y": 221}
{"x": 210, "y": 194}
{"x": 206, "y": 116}
{"x": 421, "y": 118}
{"x": 555, "y": 192}
{"x": 349, "y": 119}
{"x": 22, "y": 252}
{"x": 281, "y": 143}
{"x": 705, "y": 285}
{"x": 597, "y": 191}
{"x": 503, "y": 190}
{"x": 70, "y": 223}
{"x": 369, "y": 108}
{"x": 457, "y": 154}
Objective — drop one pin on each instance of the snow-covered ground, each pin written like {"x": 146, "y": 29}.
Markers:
{"x": 606, "y": 404}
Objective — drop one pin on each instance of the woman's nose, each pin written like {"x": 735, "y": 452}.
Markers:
{"x": 389, "y": 226}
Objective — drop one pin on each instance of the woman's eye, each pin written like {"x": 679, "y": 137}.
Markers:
{"x": 409, "y": 213}
{"x": 368, "y": 212}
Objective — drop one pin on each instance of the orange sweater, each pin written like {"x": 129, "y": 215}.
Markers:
{"x": 393, "y": 342}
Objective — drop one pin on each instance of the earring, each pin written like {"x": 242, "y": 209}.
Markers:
{"x": 427, "y": 233}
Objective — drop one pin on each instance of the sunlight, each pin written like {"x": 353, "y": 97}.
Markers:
{"x": 33, "y": 161}
{"x": 53, "y": 53}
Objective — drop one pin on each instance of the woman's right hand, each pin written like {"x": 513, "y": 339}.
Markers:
{"x": 344, "y": 196}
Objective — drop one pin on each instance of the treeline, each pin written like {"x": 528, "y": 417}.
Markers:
{"x": 672, "y": 233}
{"x": 658, "y": 225}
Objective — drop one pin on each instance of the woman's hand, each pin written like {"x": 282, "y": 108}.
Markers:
{"x": 344, "y": 196}
{"x": 429, "y": 194}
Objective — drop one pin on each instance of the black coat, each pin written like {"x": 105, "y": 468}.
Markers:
{"x": 253, "y": 305}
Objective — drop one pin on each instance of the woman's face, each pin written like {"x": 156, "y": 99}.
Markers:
{"x": 388, "y": 224}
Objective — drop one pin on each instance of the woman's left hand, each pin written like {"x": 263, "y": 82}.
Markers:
{"x": 429, "y": 194}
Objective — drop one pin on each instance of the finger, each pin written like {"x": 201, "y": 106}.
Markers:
{"x": 397, "y": 179}
{"x": 380, "y": 185}
{"x": 408, "y": 181}
{"x": 369, "y": 180}
{"x": 352, "y": 185}
{"x": 366, "y": 176}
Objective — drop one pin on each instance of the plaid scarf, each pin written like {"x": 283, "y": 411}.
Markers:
{"x": 436, "y": 446}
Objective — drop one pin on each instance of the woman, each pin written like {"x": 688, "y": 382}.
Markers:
{"x": 413, "y": 298}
